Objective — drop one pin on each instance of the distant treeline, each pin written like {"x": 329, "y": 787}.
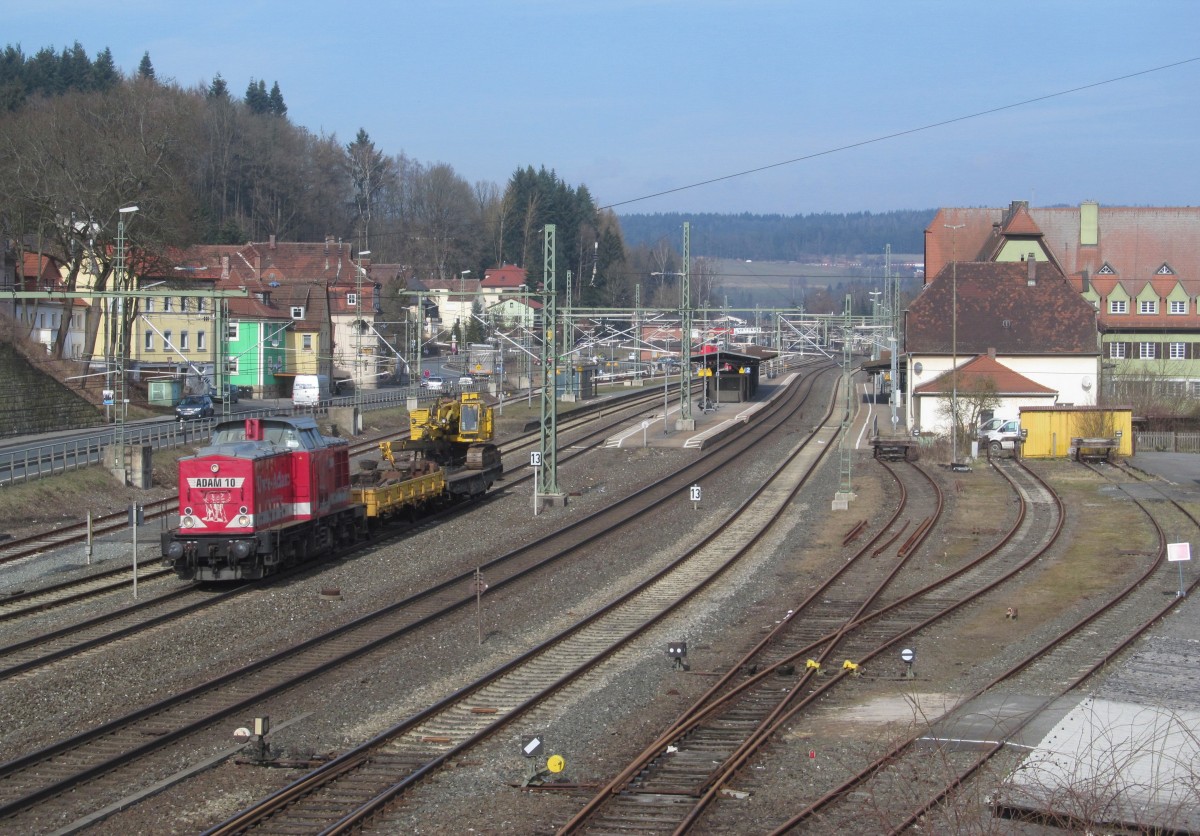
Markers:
{"x": 783, "y": 237}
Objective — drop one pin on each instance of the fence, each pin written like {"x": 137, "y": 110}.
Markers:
{"x": 1167, "y": 442}
{"x": 40, "y": 460}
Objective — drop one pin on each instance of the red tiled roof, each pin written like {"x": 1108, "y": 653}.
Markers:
{"x": 985, "y": 373}
{"x": 453, "y": 285}
{"x": 998, "y": 308}
{"x": 1133, "y": 242}
{"x": 39, "y": 271}
{"x": 508, "y": 276}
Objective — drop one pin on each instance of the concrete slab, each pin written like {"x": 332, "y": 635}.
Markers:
{"x": 1113, "y": 763}
{"x": 994, "y": 717}
{"x": 1181, "y": 469}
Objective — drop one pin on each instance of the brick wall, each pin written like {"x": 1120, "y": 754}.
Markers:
{"x": 32, "y": 398}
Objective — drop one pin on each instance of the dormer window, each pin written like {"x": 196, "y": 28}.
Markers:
{"x": 1106, "y": 270}
{"x": 352, "y": 299}
{"x": 297, "y": 312}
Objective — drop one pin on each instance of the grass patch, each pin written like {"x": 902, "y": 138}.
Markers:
{"x": 68, "y": 497}
{"x": 1087, "y": 561}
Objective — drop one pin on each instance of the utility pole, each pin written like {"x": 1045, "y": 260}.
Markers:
{"x": 954, "y": 228}
{"x": 568, "y": 345}
{"x": 842, "y": 498}
{"x": 686, "y": 421}
{"x": 547, "y": 476}
{"x": 358, "y": 331}
{"x": 120, "y": 394}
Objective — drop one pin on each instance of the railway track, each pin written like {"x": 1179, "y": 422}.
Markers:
{"x": 90, "y": 633}
{"x": 903, "y": 787}
{"x": 375, "y": 774}
{"x": 51, "y": 539}
{"x": 676, "y": 782}
{"x": 27, "y": 782}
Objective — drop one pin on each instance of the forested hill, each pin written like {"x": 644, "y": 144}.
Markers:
{"x": 783, "y": 237}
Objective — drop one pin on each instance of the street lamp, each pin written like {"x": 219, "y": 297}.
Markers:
{"x": 954, "y": 228}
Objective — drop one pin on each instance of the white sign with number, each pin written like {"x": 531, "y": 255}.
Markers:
{"x": 695, "y": 490}
{"x": 535, "y": 458}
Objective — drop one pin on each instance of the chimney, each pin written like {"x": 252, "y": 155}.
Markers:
{"x": 1089, "y": 223}
{"x": 992, "y": 352}
{"x": 1031, "y": 270}
{"x": 1087, "y": 281}
{"x": 224, "y": 267}
{"x": 272, "y": 241}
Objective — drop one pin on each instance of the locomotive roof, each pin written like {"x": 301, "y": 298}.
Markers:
{"x": 279, "y": 434}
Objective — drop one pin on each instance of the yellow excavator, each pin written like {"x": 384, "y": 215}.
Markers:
{"x": 452, "y": 432}
{"x": 449, "y": 457}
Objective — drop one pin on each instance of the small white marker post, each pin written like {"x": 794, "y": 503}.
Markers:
{"x": 645, "y": 426}
{"x": 480, "y": 587}
{"x": 135, "y": 519}
{"x": 695, "y": 494}
{"x": 535, "y": 461}
{"x": 907, "y": 656}
{"x": 1178, "y": 553}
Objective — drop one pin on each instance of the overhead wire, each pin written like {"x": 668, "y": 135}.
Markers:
{"x": 906, "y": 132}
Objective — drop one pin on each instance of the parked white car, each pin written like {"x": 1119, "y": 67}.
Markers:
{"x": 433, "y": 384}
{"x": 1000, "y": 434}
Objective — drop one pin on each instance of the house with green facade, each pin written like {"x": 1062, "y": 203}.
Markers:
{"x": 1139, "y": 267}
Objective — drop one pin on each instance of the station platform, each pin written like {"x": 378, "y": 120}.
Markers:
{"x": 660, "y": 431}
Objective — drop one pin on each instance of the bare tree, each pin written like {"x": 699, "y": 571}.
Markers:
{"x": 72, "y": 161}
{"x": 370, "y": 173}
{"x": 974, "y": 395}
{"x": 442, "y": 209}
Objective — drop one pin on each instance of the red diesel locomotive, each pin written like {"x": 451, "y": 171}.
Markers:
{"x": 266, "y": 493}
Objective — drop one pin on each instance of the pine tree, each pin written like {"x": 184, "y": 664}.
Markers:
{"x": 277, "y": 107}
{"x": 145, "y": 68}
{"x": 257, "y": 99}
{"x": 104, "y": 71}
{"x": 218, "y": 89}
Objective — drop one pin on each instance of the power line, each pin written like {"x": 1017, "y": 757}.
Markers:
{"x": 897, "y": 134}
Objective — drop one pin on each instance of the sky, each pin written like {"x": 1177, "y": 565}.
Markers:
{"x": 728, "y": 106}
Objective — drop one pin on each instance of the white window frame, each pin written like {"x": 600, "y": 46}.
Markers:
{"x": 1116, "y": 351}
{"x": 297, "y": 312}
{"x": 232, "y": 332}
{"x": 201, "y": 304}
{"x": 148, "y": 341}
{"x": 168, "y": 306}
{"x": 201, "y": 341}
{"x": 1148, "y": 306}
{"x": 184, "y": 341}
{"x": 1178, "y": 307}
{"x": 148, "y": 304}
{"x": 1146, "y": 351}
{"x": 352, "y": 299}
{"x": 231, "y": 365}
{"x": 167, "y": 344}
{"x": 306, "y": 342}
{"x": 1118, "y": 306}
{"x": 1177, "y": 351}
